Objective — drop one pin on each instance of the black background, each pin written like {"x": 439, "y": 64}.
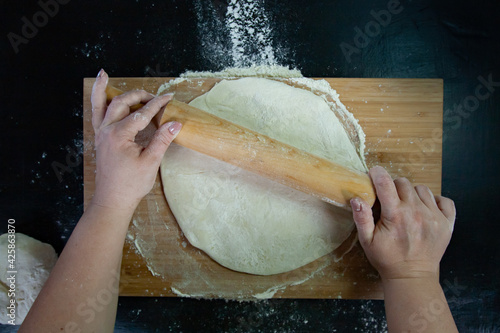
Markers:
{"x": 41, "y": 123}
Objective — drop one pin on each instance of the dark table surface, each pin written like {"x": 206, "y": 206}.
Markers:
{"x": 42, "y": 72}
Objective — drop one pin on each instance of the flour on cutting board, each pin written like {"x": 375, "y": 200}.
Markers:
{"x": 265, "y": 71}
{"x": 186, "y": 282}
{"x": 148, "y": 238}
{"x": 272, "y": 291}
{"x": 252, "y": 71}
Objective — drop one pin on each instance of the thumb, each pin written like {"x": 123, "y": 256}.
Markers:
{"x": 363, "y": 219}
{"x": 161, "y": 141}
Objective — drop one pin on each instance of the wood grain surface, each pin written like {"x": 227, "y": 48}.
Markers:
{"x": 402, "y": 119}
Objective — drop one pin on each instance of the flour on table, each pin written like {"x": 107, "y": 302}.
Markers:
{"x": 243, "y": 221}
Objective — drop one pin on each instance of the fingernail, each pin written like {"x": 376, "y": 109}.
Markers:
{"x": 356, "y": 204}
{"x": 174, "y": 127}
{"x": 169, "y": 95}
{"x": 100, "y": 72}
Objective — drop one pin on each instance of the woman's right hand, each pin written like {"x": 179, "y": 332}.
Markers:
{"x": 413, "y": 232}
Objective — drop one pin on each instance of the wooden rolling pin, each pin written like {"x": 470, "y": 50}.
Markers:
{"x": 255, "y": 152}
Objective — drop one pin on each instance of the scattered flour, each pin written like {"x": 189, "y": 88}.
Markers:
{"x": 268, "y": 293}
{"x": 181, "y": 294}
{"x": 237, "y": 34}
{"x": 252, "y": 71}
{"x": 265, "y": 71}
{"x": 250, "y": 32}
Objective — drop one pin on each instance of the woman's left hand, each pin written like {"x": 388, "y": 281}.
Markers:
{"x": 126, "y": 171}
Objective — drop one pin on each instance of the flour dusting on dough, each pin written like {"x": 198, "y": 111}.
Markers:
{"x": 245, "y": 222}
{"x": 351, "y": 125}
{"x": 211, "y": 286}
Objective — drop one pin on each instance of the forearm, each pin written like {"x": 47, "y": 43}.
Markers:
{"x": 417, "y": 305}
{"x": 82, "y": 290}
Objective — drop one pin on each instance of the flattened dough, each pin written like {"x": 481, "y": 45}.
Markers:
{"x": 34, "y": 261}
{"x": 243, "y": 221}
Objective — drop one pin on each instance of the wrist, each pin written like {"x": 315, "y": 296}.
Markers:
{"x": 422, "y": 285}
{"x": 115, "y": 202}
{"x": 410, "y": 270}
{"x": 124, "y": 210}
{"x": 410, "y": 278}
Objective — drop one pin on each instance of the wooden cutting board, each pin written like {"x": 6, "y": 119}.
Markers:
{"x": 402, "y": 119}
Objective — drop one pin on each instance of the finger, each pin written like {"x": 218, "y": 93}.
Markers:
{"x": 363, "y": 218}
{"x": 385, "y": 189}
{"x": 162, "y": 139}
{"x": 98, "y": 99}
{"x": 120, "y": 105}
{"x": 447, "y": 207}
{"x": 141, "y": 118}
{"x": 425, "y": 194}
{"x": 405, "y": 189}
